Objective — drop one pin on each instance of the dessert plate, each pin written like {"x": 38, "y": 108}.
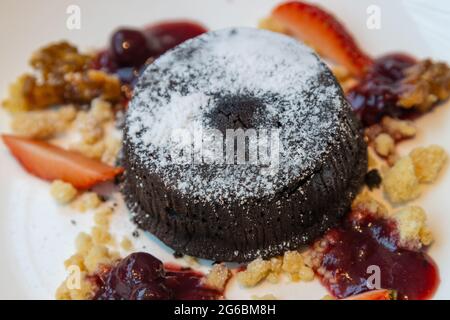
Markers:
{"x": 37, "y": 235}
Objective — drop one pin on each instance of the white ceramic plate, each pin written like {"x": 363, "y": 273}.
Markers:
{"x": 36, "y": 235}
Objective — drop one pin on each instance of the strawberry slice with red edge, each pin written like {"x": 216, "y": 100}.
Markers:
{"x": 50, "y": 162}
{"x": 381, "y": 294}
{"x": 323, "y": 32}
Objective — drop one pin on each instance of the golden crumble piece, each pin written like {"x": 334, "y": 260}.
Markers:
{"x": 101, "y": 235}
{"x": 126, "y": 244}
{"x": 306, "y": 273}
{"x": 412, "y": 228}
{"x": 112, "y": 149}
{"x": 26, "y": 94}
{"x": 328, "y": 297}
{"x": 91, "y": 254}
{"x": 57, "y": 59}
{"x": 384, "y": 145}
{"x": 398, "y": 129}
{"x": 425, "y": 83}
{"x": 400, "y": 182}
{"x": 364, "y": 201}
{"x": 428, "y": 162}
{"x": 102, "y": 216}
{"x": 87, "y": 201}
{"x": 64, "y": 76}
{"x": 273, "y": 277}
{"x": 82, "y": 87}
{"x": 256, "y": 271}
{"x": 292, "y": 262}
{"x": 63, "y": 192}
{"x": 217, "y": 277}
{"x": 93, "y": 151}
{"x": 101, "y": 110}
{"x": 98, "y": 255}
{"x": 76, "y": 259}
{"x": 271, "y": 25}
{"x": 83, "y": 243}
{"x": 426, "y": 236}
{"x": 276, "y": 264}
{"x": 90, "y": 129}
{"x": 42, "y": 124}
{"x": 268, "y": 296}
{"x": 70, "y": 291}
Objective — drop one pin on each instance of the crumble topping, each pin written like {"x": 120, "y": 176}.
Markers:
{"x": 412, "y": 228}
{"x": 255, "y": 272}
{"x": 426, "y": 82}
{"x": 126, "y": 244}
{"x": 398, "y": 129}
{"x": 217, "y": 277}
{"x": 62, "y": 75}
{"x": 93, "y": 252}
{"x": 43, "y": 124}
{"x": 88, "y": 258}
{"x": 423, "y": 164}
{"x": 63, "y": 192}
{"x": 384, "y": 145}
{"x": 87, "y": 201}
{"x": 428, "y": 162}
{"x": 400, "y": 182}
{"x": 296, "y": 265}
{"x": 102, "y": 215}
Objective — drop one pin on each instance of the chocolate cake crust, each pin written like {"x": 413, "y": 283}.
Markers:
{"x": 241, "y": 79}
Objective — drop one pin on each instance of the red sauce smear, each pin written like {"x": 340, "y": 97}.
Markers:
{"x": 377, "y": 93}
{"x": 141, "y": 276}
{"x": 364, "y": 240}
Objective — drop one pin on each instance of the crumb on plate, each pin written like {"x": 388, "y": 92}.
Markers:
{"x": 412, "y": 228}
{"x": 43, "y": 124}
{"x": 384, "y": 144}
{"x": 400, "y": 182}
{"x": 218, "y": 277}
{"x": 428, "y": 162}
{"x": 87, "y": 201}
{"x": 63, "y": 192}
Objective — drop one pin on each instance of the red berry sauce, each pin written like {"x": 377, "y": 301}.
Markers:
{"x": 140, "y": 276}
{"x": 131, "y": 49}
{"x": 364, "y": 240}
{"x": 377, "y": 93}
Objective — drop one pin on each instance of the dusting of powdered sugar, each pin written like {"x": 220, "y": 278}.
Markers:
{"x": 295, "y": 88}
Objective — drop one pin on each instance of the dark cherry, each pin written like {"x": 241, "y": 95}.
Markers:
{"x": 377, "y": 93}
{"x": 129, "y": 48}
{"x": 151, "y": 291}
{"x": 365, "y": 241}
{"x": 140, "y": 268}
{"x": 171, "y": 33}
{"x": 140, "y": 276}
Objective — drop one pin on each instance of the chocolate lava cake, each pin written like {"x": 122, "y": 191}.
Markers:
{"x": 255, "y": 82}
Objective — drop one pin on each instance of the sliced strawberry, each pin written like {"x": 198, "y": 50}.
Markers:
{"x": 50, "y": 162}
{"x": 381, "y": 294}
{"x": 322, "y": 31}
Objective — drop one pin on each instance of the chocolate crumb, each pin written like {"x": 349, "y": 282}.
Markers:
{"x": 178, "y": 255}
{"x": 373, "y": 179}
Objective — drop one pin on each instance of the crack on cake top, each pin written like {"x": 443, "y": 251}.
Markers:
{"x": 290, "y": 88}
